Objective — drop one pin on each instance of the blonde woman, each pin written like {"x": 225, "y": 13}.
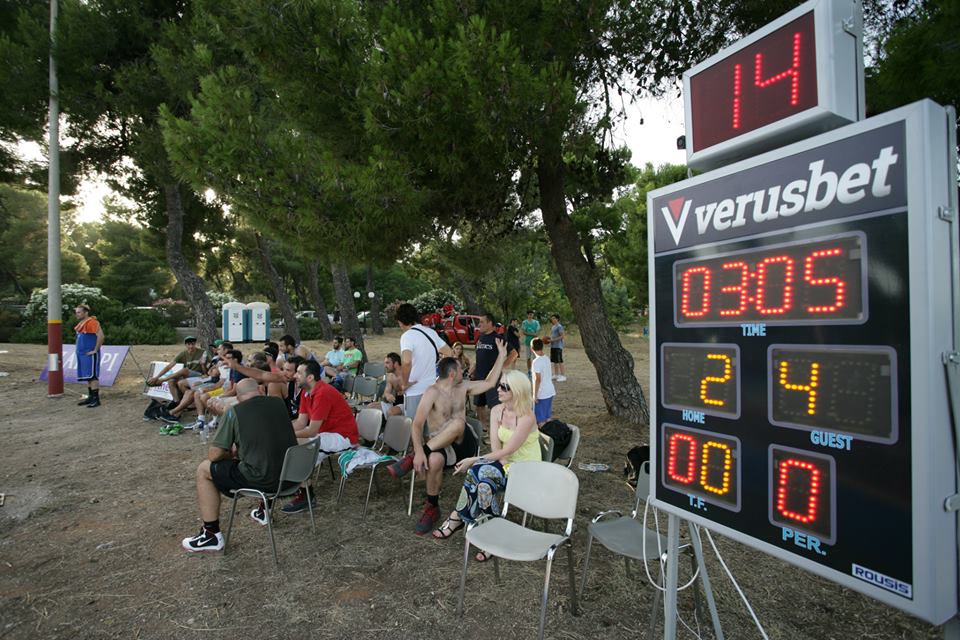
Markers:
{"x": 513, "y": 438}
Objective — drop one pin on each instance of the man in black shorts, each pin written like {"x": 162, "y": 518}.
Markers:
{"x": 258, "y": 432}
{"x": 486, "y": 357}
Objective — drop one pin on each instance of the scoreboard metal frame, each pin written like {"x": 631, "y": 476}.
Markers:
{"x": 859, "y": 497}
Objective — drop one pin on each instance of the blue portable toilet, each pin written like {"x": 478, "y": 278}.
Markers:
{"x": 259, "y": 321}
{"x": 233, "y": 321}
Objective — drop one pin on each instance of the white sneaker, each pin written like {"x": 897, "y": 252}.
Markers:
{"x": 553, "y": 376}
{"x": 259, "y": 515}
{"x": 204, "y": 541}
{"x": 197, "y": 424}
{"x": 561, "y": 378}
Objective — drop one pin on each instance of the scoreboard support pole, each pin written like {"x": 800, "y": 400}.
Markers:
{"x": 671, "y": 587}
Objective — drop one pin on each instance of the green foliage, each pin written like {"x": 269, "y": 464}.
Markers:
{"x": 71, "y": 294}
{"x": 310, "y": 329}
{"x": 120, "y": 327}
{"x": 617, "y": 300}
{"x": 434, "y": 299}
{"x": 9, "y": 322}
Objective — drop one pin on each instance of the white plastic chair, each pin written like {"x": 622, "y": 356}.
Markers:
{"x": 545, "y": 490}
{"x": 298, "y": 464}
{"x": 396, "y": 436}
{"x": 364, "y": 392}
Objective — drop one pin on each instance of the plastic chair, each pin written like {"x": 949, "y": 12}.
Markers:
{"x": 627, "y": 536}
{"x": 374, "y": 369}
{"x": 569, "y": 452}
{"x": 396, "y": 436}
{"x": 364, "y": 391}
{"x": 477, "y": 429}
{"x": 545, "y": 490}
{"x": 298, "y": 464}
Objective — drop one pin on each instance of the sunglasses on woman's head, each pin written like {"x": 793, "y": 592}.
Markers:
{"x": 503, "y": 386}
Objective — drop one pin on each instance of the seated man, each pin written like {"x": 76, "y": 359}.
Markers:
{"x": 206, "y": 384}
{"x": 255, "y": 429}
{"x": 391, "y": 403}
{"x": 442, "y": 420}
{"x": 350, "y": 364}
{"x": 193, "y": 360}
{"x": 324, "y": 413}
{"x": 333, "y": 358}
{"x": 290, "y": 347}
{"x": 282, "y": 385}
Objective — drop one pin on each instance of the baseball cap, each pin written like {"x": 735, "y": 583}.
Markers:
{"x": 217, "y": 342}
{"x": 189, "y": 339}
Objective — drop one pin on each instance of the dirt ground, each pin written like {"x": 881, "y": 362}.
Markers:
{"x": 97, "y": 503}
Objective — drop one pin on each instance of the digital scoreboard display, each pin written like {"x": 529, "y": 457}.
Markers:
{"x": 800, "y": 307}
{"x": 800, "y": 75}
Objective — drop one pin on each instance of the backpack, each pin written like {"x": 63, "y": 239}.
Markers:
{"x": 560, "y": 433}
{"x": 152, "y": 411}
{"x": 635, "y": 459}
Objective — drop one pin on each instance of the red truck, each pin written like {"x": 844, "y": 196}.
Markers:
{"x": 453, "y": 327}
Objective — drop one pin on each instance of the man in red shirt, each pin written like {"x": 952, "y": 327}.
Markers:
{"x": 324, "y": 413}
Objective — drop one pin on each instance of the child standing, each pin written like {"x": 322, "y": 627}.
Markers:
{"x": 543, "y": 389}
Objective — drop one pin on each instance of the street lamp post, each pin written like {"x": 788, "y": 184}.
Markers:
{"x": 356, "y": 296}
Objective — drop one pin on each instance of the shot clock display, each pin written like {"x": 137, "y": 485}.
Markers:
{"x": 817, "y": 282}
{"x": 800, "y": 310}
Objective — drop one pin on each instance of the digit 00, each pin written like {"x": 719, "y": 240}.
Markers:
{"x": 700, "y": 461}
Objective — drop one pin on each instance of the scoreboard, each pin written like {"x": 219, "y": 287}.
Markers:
{"x": 801, "y": 303}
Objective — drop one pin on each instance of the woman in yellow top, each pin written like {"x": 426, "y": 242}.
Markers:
{"x": 513, "y": 437}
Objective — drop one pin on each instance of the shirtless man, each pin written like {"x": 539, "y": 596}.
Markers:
{"x": 441, "y": 416}
{"x": 391, "y": 402}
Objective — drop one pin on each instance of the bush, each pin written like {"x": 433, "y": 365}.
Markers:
{"x": 430, "y": 301}
{"x": 9, "y": 322}
{"x": 71, "y": 295}
{"x": 130, "y": 327}
{"x": 310, "y": 329}
{"x": 390, "y": 313}
{"x": 177, "y": 312}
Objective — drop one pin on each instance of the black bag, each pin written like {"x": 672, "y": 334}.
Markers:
{"x": 152, "y": 411}
{"x": 560, "y": 433}
{"x": 635, "y": 459}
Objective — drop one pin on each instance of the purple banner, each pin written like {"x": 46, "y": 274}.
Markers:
{"x": 111, "y": 359}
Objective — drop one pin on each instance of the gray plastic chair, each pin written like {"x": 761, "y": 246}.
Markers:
{"x": 364, "y": 392}
{"x": 474, "y": 425}
{"x": 547, "y": 491}
{"x": 396, "y": 436}
{"x": 298, "y": 464}
{"x": 374, "y": 369}
{"x": 626, "y": 536}
{"x": 569, "y": 452}
{"x": 370, "y": 424}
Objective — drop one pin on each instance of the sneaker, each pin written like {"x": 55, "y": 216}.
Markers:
{"x": 167, "y": 417}
{"x": 197, "y": 424}
{"x": 204, "y": 541}
{"x": 152, "y": 411}
{"x": 85, "y": 400}
{"x": 561, "y": 378}
{"x": 401, "y": 467}
{"x": 94, "y": 402}
{"x": 259, "y": 515}
{"x": 428, "y": 519}
{"x": 299, "y": 502}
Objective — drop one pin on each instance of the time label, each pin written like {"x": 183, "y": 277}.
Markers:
{"x": 802, "y": 492}
{"x": 701, "y": 377}
{"x": 702, "y": 463}
{"x": 821, "y": 282}
{"x": 850, "y": 390}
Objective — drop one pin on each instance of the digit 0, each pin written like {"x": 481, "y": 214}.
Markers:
{"x": 713, "y": 445}
{"x": 672, "y": 451}
{"x": 685, "y": 292}
{"x": 792, "y": 468}
{"x": 786, "y": 302}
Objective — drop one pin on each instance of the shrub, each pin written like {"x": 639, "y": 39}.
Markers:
{"x": 134, "y": 326}
{"x": 310, "y": 329}
{"x": 175, "y": 311}
{"x": 430, "y": 301}
{"x": 9, "y": 322}
{"x": 71, "y": 294}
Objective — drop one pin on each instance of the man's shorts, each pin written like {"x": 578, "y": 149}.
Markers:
{"x": 543, "y": 409}
{"x": 227, "y": 477}
{"x": 467, "y": 448}
{"x": 213, "y": 393}
{"x": 410, "y": 404}
{"x": 488, "y": 398}
{"x": 228, "y": 402}
{"x": 556, "y": 356}
{"x": 194, "y": 382}
{"x": 530, "y": 354}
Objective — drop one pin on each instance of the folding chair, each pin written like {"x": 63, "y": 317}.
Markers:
{"x": 569, "y": 452}
{"x": 364, "y": 391}
{"x": 374, "y": 369}
{"x": 298, "y": 464}
{"x": 396, "y": 436}
{"x": 545, "y": 490}
{"x": 370, "y": 425}
{"x": 628, "y": 537}
{"x": 477, "y": 429}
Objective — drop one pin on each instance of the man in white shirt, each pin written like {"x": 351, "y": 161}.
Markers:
{"x": 420, "y": 350}
{"x": 543, "y": 389}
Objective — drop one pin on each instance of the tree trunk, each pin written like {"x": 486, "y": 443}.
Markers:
{"x": 348, "y": 311}
{"x": 614, "y": 364}
{"x": 279, "y": 291}
{"x": 473, "y": 307}
{"x": 194, "y": 288}
{"x": 374, "y": 314}
{"x": 313, "y": 283}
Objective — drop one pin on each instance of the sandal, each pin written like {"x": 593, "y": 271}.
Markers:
{"x": 449, "y": 527}
{"x": 482, "y": 556}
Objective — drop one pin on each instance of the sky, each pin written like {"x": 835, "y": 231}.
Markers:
{"x": 654, "y": 141}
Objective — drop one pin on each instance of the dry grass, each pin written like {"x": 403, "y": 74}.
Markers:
{"x": 97, "y": 503}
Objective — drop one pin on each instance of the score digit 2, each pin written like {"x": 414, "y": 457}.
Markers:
{"x": 809, "y": 282}
{"x": 702, "y": 463}
{"x": 701, "y": 377}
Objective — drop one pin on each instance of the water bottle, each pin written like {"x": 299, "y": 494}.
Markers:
{"x": 204, "y": 433}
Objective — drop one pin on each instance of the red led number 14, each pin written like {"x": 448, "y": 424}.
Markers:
{"x": 793, "y": 72}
